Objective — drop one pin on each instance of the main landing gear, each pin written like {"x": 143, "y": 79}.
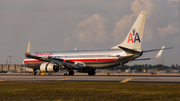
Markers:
{"x": 69, "y": 72}
{"x": 91, "y": 72}
{"x": 34, "y": 72}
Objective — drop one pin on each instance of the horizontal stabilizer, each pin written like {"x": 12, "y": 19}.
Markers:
{"x": 142, "y": 59}
{"x": 144, "y": 51}
{"x": 156, "y": 57}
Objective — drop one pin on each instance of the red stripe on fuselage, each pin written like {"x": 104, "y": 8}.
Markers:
{"x": 34, "y": 61}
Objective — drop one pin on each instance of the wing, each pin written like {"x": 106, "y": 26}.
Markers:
{"x": 57, "y": 61}
{"x": 157, "y": 56}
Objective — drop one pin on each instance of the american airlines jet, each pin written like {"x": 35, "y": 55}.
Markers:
{"x": 87, "y": 61}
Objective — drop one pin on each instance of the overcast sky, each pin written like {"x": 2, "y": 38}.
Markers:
{"x": 87, "y": 24}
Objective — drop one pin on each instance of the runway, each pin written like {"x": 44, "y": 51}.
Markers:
{"x": 98, "y": 78}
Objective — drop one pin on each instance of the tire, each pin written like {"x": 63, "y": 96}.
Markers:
{"x": 34, "y": 72}
{"x": 69, "y": 72}
{"x": 92, "y": 72}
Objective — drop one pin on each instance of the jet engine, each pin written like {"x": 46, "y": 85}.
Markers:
{"x": 48, "y": 67}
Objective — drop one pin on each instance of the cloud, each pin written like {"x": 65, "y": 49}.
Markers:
{"x": 148, "y": 34}
{"x": 121, "y": 26}
{"x": 124, "y": 24}
{"x": 176, "y": 40}
{"x": 60, "y": 26}
{"x": 174, "y": 5}
{"x": 170, "y": 31}
{"x": 172, "y": 28}
{"x": 92, "y": 29}
{"x": 142, "y": 5}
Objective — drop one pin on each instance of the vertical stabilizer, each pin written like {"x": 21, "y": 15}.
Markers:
{"x": 28, "y": 49}
{"x": 134, "y": 37}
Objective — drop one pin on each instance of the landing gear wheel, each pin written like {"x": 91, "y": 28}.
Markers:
{"x": 34, "y": 72}
{"x": 91, "y": 72}
{"x": 69, "y": 72}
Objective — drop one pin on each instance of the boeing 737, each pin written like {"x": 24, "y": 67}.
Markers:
{"x": 87, "y": 61}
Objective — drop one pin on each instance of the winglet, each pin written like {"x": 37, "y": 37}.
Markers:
{"x": 160, "y": 52}
{"x": 28, "y": 49}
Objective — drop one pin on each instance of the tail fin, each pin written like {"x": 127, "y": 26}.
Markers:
{"x": 134, "y": 37}
{"x": 28, "y": 49}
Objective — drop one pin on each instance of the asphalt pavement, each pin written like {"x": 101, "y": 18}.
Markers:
{"x": 173, "y": 78}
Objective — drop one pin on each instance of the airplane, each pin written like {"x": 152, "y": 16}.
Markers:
{"x": 87, "y": 61}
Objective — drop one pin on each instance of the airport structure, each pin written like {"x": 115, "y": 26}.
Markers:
{"x": 16, "y": 68}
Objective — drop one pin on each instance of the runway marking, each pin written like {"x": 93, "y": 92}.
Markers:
{"x": 64, "y": 79}
{"x": 126, "y": 80}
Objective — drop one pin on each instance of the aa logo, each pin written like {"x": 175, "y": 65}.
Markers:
{"x": 135, "y": 35}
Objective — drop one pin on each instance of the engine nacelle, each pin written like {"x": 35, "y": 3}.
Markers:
{"x": 48, "y": 67}
{"x": 80, "y": 64}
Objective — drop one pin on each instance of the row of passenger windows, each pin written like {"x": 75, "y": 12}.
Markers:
{"x": 83, "y": 56}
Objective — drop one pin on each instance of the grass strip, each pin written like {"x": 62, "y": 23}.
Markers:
{"x": 87, "y": 91}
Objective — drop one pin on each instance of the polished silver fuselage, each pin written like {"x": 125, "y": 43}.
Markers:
{"x": 96, "y": 59}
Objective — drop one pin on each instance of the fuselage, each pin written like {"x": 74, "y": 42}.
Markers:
{"x": 98, "y": 59}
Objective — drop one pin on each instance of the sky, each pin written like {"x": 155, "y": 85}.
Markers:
{"x": 87, "y": 24}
